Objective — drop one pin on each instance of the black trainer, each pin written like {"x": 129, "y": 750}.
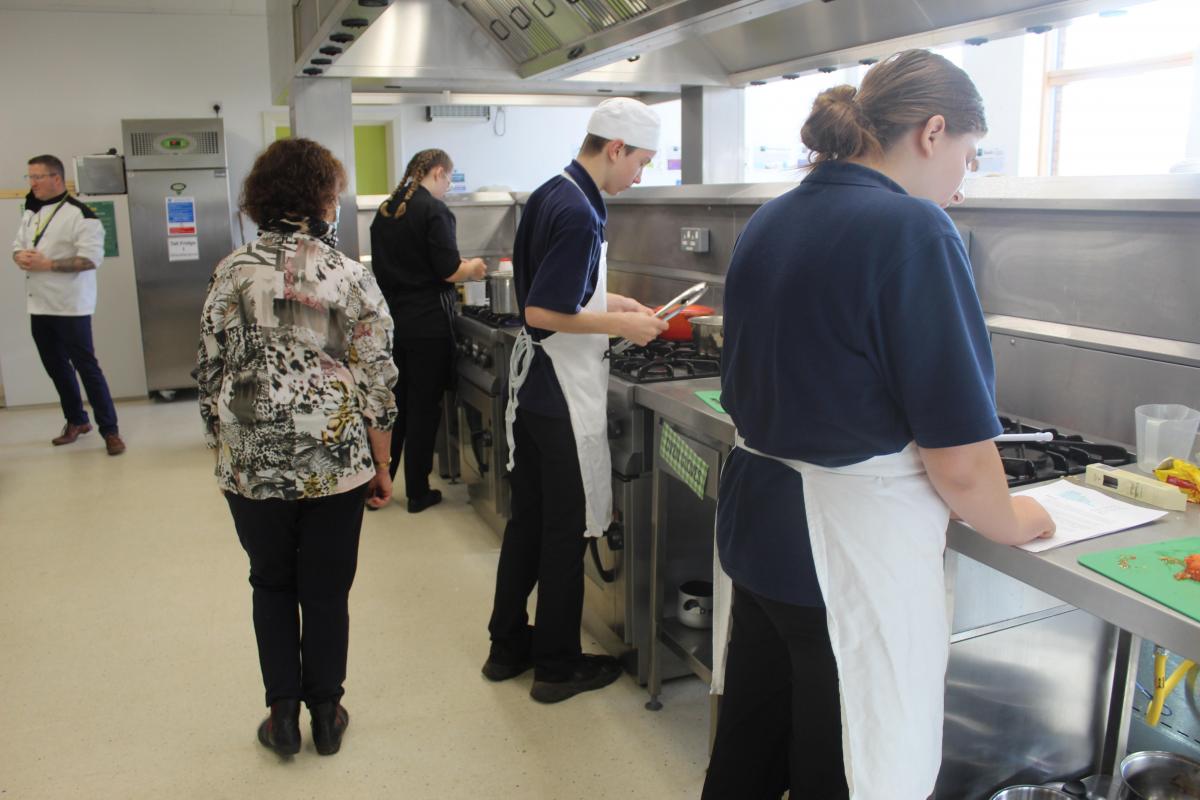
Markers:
{"x": 588, "y": 672}
{"x": 427, "y": 500}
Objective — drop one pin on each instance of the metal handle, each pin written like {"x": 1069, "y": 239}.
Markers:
{"x": 669, "y": 311}
{"x": 1043, "y": 436}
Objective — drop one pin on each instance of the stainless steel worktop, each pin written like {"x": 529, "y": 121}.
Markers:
{"x": 677, "y": 400}
{"x": 1056, "y": 572}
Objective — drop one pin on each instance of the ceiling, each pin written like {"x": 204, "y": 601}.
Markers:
{"x": 251, "y": 8}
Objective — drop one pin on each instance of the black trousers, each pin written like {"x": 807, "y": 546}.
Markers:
{"x": 65, "y": 347}
{"x": 303, "y": 555}
{"x": 426, "y": 369}
{"x": 543, "y": 546}
{"x": 780, "y": 721}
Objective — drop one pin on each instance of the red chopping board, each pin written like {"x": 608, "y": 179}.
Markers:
{"x": 1150, "y": 569}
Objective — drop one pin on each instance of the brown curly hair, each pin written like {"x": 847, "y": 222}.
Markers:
{"x": 293, "y": 178}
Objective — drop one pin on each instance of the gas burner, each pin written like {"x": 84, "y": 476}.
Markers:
{"x": 664, "y": 361}
{"x": 1030, "y": 462}
{"x": 490, "y": 318}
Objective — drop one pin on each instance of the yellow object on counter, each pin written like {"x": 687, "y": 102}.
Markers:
{"x": 1182, "y": 474}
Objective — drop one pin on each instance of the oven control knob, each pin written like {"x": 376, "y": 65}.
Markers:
{"x": 484, "y": 360}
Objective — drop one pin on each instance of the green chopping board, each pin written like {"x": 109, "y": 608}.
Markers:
{"x": 712, "y": 398}
{"x": 1150, "y": 569}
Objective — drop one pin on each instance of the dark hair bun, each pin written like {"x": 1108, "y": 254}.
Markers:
{"x": 836, "y": 128}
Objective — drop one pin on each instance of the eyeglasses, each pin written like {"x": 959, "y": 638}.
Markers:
{"x": 41, "y": 177}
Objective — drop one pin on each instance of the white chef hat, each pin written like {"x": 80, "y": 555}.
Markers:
{"x": 629, "y": 120}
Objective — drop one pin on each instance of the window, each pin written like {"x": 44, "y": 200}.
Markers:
{"x": 1118, "y": 94}
{"x": 1114, "y": 93}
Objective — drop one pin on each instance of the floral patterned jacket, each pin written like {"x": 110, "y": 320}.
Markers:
{"x": 295, "y": 361}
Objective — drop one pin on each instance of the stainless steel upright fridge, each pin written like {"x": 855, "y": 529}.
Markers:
{"x": 176, "y": 171}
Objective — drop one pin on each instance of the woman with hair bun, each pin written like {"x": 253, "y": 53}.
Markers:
{"x": 414, "y": 253}
{"x": 877, "y": 427}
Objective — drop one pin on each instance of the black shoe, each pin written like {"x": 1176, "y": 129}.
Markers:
{"x": 587, "y": 673}
{"x": 499, "y": 671}
{"x": 329, "y": 722}
{"x": 281, "y": 730}
{"x": 419, "y": 504}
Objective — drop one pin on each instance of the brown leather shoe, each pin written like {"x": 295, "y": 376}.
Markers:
{"x": 70, "y": 433}
{"x": 113, "y": 444}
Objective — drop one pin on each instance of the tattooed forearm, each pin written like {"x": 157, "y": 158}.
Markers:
{"x": 73, "y": 264}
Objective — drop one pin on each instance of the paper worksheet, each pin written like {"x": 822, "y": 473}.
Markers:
{"x": 1081, "y": 513}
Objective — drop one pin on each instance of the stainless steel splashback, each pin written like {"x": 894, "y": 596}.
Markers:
{"x": 1091, "y": 305}
{"x": 487, "y": 223}
{"x": 1128, "y": 271}
{"x": 1090, "y": 285}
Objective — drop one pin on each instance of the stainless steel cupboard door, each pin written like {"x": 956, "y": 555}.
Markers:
{"x": 173, "y": 270}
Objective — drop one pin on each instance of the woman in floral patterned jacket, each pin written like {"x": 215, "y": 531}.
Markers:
{"x": 295, "y": 372}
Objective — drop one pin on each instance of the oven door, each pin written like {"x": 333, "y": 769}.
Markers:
{"x": 476, "y": 435}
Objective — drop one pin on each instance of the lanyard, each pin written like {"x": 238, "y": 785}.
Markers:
{"x": 41, "y": 229}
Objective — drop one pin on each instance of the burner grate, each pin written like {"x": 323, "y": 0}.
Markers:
{"x": 664, "y": 361}
{"x": 1031, "y": 462}
{"x": 488, "y": 317}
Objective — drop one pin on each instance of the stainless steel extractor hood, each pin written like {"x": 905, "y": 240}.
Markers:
{"x": 552, "y": 39}
{"x": 419, "y": 48}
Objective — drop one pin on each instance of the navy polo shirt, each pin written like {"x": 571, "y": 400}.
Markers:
{"x": 556, "y": 264}
{"x": 852, "y": 327}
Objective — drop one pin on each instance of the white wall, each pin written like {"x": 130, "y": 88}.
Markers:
{"x": 71, "y": 77}
{"x": 997, "y": 70}
{"x": 537, "y": 143}
{"x": 520, "y": 149}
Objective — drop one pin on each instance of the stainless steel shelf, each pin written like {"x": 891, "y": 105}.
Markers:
{"x": 693, "y": 645}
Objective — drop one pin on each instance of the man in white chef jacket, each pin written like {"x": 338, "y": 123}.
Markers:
{"x": 59, "y": 246}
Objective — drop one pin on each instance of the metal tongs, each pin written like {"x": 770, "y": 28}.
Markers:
{"x": 668, "y": 312}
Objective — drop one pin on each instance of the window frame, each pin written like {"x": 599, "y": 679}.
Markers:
{"x": 1055, "y": 78}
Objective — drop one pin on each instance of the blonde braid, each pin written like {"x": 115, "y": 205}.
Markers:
{"x": 412, "y": 179}
{"x": 419, "y": 167}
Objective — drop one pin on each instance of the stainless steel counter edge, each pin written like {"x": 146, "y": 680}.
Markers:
{"x": 677, "y": 401}
{"x": 1056, "y": 572}
{"x": 1059, "y": 573}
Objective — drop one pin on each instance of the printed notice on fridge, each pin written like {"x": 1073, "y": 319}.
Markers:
{"x": 183, "y": 248}
{"x": 181, "y": 216}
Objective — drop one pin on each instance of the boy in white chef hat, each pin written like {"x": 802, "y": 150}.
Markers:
{"x": 561, "y": 477}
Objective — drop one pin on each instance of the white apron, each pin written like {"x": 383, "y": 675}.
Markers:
{"x": 582, "y": 371}
{"x": 878, "y": 531}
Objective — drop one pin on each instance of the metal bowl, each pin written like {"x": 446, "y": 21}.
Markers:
{"x": 1030, "y": 792}
{"x": 708, "y": 334}
{"x": 1157, "y": 775}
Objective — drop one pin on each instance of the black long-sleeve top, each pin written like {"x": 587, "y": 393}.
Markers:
{"x": 412, "y": 256}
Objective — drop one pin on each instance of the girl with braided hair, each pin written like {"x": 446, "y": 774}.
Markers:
{"x": 414, "y": 253}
